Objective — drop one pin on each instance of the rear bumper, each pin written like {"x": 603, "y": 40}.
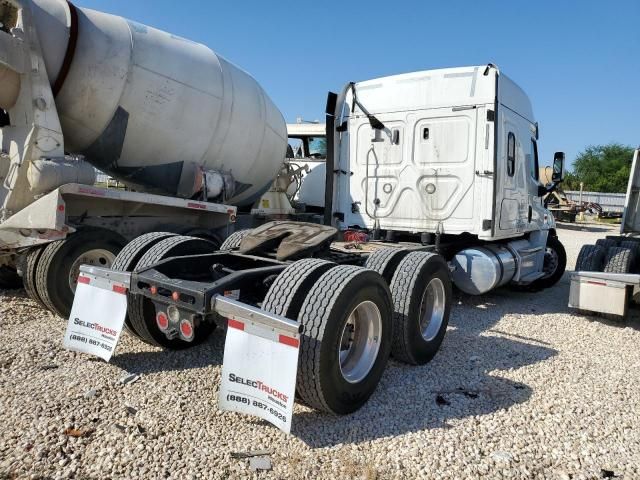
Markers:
{"x": 210, "y": 301}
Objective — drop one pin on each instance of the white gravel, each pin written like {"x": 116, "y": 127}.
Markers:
{"x": 522, "y": 388}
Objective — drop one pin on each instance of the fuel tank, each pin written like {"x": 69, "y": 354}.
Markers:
{"x": 155, "y": 110}
{"x": 483, "y": 268}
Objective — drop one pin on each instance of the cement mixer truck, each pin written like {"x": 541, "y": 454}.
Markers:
{"x": 190, "y": 133}
{"x": 430, "y": 181}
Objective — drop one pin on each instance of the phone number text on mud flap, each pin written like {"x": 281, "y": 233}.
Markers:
{"x": 90, "y": 341}
{"x": 240, "y": 399}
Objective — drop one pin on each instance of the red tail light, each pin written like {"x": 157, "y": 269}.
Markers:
{"x": 162, "y": 320}
{"x": 186, "y": 329}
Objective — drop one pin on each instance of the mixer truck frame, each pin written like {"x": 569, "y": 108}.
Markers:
{"x": 430, "y": 180}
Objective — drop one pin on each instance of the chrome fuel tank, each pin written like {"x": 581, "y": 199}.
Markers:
{"x": 480, "y": 269}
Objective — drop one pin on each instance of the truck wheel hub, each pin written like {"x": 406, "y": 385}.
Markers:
{"x": 98, "y": 257}
{"x": 550, "y": 262}
{"x": 432, "y": 307}
{"x": 360, "y": 342}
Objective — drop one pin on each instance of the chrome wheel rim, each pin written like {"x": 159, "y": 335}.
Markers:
{"x": 432, "y": 307}
{"x": 98, "y": 257}
{"x": 550, "y": 262}
{"x": 360, "y": 342}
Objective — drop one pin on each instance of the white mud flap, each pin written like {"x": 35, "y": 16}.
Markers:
{"x": 260, "y": 363}
{"x": 98, "y": 312}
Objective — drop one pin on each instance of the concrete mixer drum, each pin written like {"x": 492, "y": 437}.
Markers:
{"x": 147, "y": 107}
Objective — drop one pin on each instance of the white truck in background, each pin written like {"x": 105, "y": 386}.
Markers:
{"x": 607, "y": 275}
{"x": 307, "y": 149}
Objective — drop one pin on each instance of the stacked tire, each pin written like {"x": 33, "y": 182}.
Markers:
{"x": 609, "y": 255}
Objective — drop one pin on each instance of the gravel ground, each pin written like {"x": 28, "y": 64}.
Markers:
{"x": 522, "y": 388}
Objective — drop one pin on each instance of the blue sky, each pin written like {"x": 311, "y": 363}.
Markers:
{"x": 578, "y": 61}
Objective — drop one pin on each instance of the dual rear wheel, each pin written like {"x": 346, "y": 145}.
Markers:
{"x": 353, "y": 319}
{"x": 50, "y": 273}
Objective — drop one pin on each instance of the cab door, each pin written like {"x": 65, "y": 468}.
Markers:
{"x": 535, "y": 209}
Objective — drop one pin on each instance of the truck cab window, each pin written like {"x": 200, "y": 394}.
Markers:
{"x": 317, "y": 147}
{"x": 511, "y": 154}
{"x": 307, "y": 147}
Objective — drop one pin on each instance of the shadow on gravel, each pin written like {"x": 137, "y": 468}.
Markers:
{"x": 632, "y": 320}
{"x": 586, "y": 228}
{"x": 200, "y": 356}
{"x": 456, "y": 384}
{"x": 462, "y": 381}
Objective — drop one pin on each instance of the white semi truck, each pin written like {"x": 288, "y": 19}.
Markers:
{"x": 437, "y": 169}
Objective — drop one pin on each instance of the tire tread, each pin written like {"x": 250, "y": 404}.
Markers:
{"x": 318, "y": 303}
{"x": 29, "y": 266}
{"x": 42, "y": 270}
{"x": 385, "y": 261}
{"x": 131, "y": 254}
{"x": 293, "y": 283}
{"x": 233, "y": 241}
{"x": 402, "y": 286}
{"x": 590, "y": 258}
{"x": 618, "y": 260}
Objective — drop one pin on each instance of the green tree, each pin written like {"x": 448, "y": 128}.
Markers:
{"x": 602, "y": 168}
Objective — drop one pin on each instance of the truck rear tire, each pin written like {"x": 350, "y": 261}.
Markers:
{"x": 422, "y": 294}
{"x": 590, "y": 259}
{"x": 607, "y": 243}
{"x": 29, "y": 265}
{"x": 289, "y": 290}
{"x": 635, "y": 249}
{"x": 9, "y": 278}
{"x": 142, "y": 311}
{"x": 59, "y": 265}
{"x": 385, "y": 261}
{"x": 233, "y": 241}
{"x": 346, "y": 340}
{"x": 131, "y": 254}
{"x": 618, "y": 260}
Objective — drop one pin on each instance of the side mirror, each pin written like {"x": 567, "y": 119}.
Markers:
{"x": 558, "y": 167}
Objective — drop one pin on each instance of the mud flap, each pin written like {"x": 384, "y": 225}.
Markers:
{"x": 260, "y": 363}
{"x": 98, "y": 312}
